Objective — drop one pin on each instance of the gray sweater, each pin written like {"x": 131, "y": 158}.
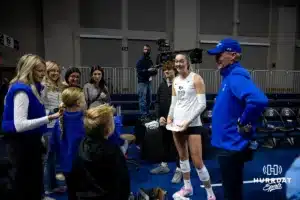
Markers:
{"x": 51, "y": 99}
{"x": 95, "y": 96}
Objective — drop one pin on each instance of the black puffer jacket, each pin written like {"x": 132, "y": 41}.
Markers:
{"x": 164, "y": 97}
{"x": 142, "y": 67}
{"x": 100, "y": 170}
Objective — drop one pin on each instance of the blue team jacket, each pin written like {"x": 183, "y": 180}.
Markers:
{"x": 67, "y": 145}
{"x": 238, "y": 97}
{"x": 35, "y": 109}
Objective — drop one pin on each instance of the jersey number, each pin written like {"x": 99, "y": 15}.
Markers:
{"x": 181, "y": 94}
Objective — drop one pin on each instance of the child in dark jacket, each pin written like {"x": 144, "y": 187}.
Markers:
{"x": 163, "y": 100}
{"x": 68, "y": 132}
{"x": 100, "y": 171}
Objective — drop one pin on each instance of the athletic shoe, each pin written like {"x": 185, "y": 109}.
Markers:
{"x": 60, "y": 189}
{"x": 60, "y": 177}
{"x": 183, "y": 192}
{"x": 161, "y": 169}
{"x": 177, "y": 177}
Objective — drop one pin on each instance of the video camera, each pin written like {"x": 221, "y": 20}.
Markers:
{"x": 168, "y": 55}
{"x": 163, "y": 45}
{"x": 194, "y": 54}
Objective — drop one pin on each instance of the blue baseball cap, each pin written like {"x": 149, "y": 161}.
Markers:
{"x": 228, "y": 44}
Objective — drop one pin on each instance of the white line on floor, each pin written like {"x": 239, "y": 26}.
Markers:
{"x": 245, "y": 182}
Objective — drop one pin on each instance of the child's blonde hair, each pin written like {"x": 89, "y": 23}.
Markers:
{"x": 100, "y": 115}
{"x": 72, "y": 96}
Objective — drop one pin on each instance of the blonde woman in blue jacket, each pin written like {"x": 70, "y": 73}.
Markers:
{"x": 24, "y": 122}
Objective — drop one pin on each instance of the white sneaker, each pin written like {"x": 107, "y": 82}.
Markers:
{"x": 183, "y": 193}
{"x": 161, "y": 169}
{"x": 177, "y": 177}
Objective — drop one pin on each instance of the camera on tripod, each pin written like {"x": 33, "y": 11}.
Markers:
{"x": 163, "y": 45}
{"x": 166, "y": 54}
{"x": 194, "y": 54}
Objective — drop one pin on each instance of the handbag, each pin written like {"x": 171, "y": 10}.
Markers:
{"x": 152, "y": 148}
{"x": 152, "y": 194}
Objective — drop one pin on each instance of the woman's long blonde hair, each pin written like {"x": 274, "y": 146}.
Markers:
{"x": 52, "y": 86}
{"x": 100, "y": 115}
{"x": 72, "y": 96}
{"x": 25, "y": 68}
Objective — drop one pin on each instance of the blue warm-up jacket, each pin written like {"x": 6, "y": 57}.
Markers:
{"x": 238, "y": 98}
{"x": 67, "y": 145}
{"x": 35, "y": 109}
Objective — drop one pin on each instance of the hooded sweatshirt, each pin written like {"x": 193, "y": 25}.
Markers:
{"x": 100, "y": 169}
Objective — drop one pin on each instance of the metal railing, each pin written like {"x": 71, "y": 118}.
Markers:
{"x": 124, "y": 80}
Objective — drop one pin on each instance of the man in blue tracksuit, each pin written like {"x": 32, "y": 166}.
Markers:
{"x": 238, "y": 106}
{"x": 145, "y": 70}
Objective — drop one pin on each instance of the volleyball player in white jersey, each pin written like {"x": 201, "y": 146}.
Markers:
{"x": 188, "y": 102}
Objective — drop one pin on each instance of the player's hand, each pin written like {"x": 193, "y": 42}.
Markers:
{"x": 183, "y": 126}
{"x": 162, "y": 121}
{"x": 169, "y": 120}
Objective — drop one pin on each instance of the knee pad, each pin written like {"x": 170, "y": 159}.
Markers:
{"x": 203, "y": 174}
{"x": 185, "y": 166}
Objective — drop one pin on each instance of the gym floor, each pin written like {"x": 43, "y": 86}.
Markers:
{"x": 282, "y": 156}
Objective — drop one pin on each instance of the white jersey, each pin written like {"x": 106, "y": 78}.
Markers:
{"x": 186, "y": 99}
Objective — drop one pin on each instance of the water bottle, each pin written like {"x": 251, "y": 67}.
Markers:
{"x": 118, "y": 124}
{"x": 253, "y": 145}
{"x": 119, "y": 112}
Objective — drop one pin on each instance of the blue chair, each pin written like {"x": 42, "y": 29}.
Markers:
{"x": 298, "y": 121}
{"x": 289, "y": 119}
{"x": 272, "y": 123}
{"x": 207, "y": 118}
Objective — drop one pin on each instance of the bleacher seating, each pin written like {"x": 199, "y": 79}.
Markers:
{"x": 206, "y": 118}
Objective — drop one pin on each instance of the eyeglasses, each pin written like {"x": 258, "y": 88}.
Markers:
{"x": 75, "y": 77}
